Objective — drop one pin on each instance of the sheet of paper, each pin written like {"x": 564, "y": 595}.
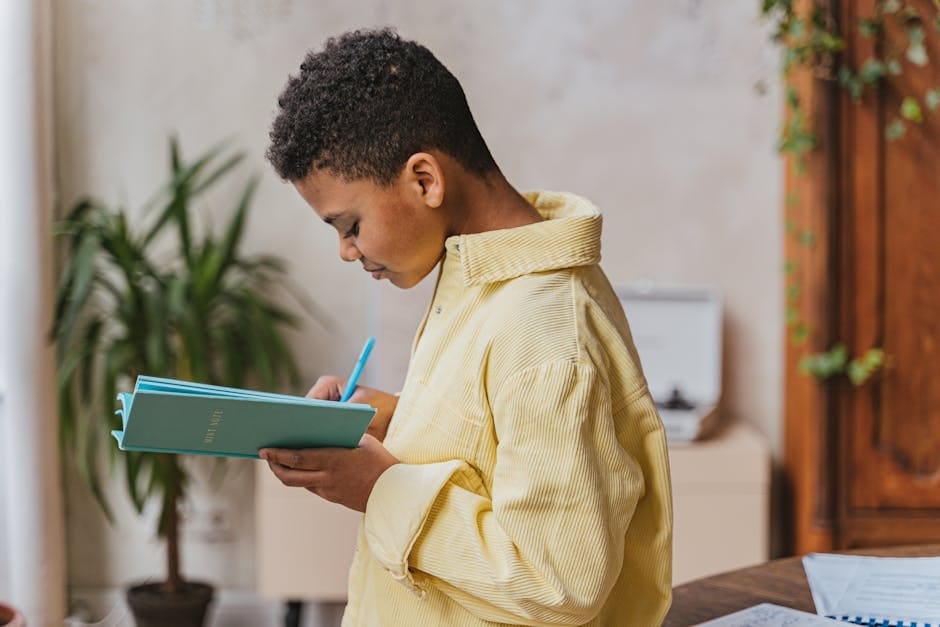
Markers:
{"x": 896, "y": 589}
{"x": 828, "y": 576}
{"x": 769, "y": 615}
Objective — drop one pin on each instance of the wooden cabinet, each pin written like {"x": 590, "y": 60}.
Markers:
{"x": 864, "y": 462}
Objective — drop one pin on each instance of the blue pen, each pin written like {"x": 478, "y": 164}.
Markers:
{"x": 357, "y": 370}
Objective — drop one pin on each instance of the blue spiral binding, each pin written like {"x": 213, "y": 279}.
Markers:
{"x": 874, "y": 622}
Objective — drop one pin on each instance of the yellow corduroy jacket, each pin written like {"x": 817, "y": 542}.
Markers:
{"x": 534, "y": 486}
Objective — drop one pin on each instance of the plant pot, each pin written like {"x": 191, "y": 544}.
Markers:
{"x": 9, "y": 617}
{"x": 152, "y": 607}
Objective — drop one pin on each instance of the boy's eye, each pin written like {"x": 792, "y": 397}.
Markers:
{"x": 353, "y": 230}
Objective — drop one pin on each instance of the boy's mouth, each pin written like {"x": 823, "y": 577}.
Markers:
{"x": 375, "y": 271}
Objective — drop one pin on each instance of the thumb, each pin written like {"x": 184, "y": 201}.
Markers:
{"x": 369, "y": 442}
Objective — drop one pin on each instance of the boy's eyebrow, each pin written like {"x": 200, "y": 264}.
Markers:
{"x": 330, "y": 218}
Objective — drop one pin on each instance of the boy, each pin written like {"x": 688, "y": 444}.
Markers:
{"x": 521, "y": 477}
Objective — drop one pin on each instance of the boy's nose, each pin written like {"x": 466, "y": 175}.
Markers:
{"x": 348, "y": 250}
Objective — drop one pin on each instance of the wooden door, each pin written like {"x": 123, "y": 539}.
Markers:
{"x": 864, "y": 462}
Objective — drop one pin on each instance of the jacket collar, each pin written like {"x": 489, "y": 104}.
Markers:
{"x": 570, "y": 236}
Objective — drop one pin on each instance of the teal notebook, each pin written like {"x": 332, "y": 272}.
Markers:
{"x": 170, "y": 416}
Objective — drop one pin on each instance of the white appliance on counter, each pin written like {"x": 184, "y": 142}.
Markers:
{"x": 677, "y": 332}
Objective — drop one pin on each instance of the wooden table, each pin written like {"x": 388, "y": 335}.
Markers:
{"x": 780, "y": 581}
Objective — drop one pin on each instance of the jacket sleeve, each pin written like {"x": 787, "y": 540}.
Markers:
{"x": 546, "y": 546}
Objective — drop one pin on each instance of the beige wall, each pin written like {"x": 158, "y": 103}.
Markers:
{"x": 664, "y": 113}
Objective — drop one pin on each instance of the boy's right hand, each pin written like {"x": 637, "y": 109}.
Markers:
{"x": 330, "y": 388}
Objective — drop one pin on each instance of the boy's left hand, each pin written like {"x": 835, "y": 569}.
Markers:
{"x": 340, "y": 475}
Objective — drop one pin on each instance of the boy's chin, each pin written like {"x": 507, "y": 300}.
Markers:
{"x": 404, "y": 282}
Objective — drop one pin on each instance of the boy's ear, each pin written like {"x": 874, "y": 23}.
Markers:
{"x": 424, "y": 175}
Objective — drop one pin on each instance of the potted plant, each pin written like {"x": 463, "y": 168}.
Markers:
{"x": 152, "y": 295}
{"x": 10, "y": 617}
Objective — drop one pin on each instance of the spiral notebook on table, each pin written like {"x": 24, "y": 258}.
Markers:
{"x": 865, "y": 590}
{"x": 172, "y": 416}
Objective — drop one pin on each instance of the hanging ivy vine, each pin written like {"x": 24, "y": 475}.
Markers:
{"x": 810, "y": 40}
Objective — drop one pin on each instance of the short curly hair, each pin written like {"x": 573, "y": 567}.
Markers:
{"x": 361, "y": 107}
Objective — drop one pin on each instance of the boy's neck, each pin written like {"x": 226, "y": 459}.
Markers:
{"x": 487, "y": 204}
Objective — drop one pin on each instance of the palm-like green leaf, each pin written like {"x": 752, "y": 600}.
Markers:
{"x": 183, "y": 187}
{"x": 233, "y": 236}
{"x": 76, "y": 286}
{"x": 134, "y": 465}
{"x": 223, "y": 169}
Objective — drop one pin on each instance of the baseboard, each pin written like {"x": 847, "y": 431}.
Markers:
{"x": 105, "y": 607}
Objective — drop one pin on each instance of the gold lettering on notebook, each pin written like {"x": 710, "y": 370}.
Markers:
{"x": 215, "y": 419}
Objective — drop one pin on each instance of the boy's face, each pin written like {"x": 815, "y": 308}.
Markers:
{"x": 392, "y": 231}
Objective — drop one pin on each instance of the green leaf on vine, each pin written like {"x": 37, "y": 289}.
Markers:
{"x": 826, "y": 364}
{"x": 932, "y": 98}
{"x": 829, "y": 42}
{"x": 862, "y": 368}
{"x": 890, "y": 6}
{"x": 793, "y": 97}
{"x": 869, "y": 27}
{"x": 792, "y": 316}
{"x": 916, "y": 52}
{"x": 800, "y": 333}
{"x": 895, "y": 130}
{"x": 852, "y": 83}
{"x": 796, "y": 29}
{"x": 791, "y": 57}
{"x": 872, "y": 71}
{"x": 796, "y": 138}
{"x": 910, "y": 110}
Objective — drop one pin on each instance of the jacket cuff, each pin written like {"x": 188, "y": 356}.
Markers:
{"x": 396, "y": 511}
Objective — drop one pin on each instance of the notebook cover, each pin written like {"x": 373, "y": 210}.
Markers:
{"x": 167, "y": 416}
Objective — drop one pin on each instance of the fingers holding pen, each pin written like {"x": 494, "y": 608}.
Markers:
{"x": 327, "y": 388}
